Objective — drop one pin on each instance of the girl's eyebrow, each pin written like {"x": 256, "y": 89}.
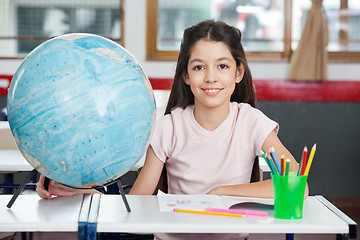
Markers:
{"x": 223, "y": 59}
{"x": 196, "y": 60}
{"x": 218, "y": 60}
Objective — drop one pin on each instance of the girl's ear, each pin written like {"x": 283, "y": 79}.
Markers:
{"x": 240, "y": 71}
{"x": 186, "y": 78}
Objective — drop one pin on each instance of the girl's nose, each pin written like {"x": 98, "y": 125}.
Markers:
{"x": 210, "y": 76}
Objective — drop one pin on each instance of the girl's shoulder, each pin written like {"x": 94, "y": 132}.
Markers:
{"x": 180, "y": 111}
{"x": 177, "y": 114}
{"x": 244, "y": 107}
{"x": 246, "y": 110}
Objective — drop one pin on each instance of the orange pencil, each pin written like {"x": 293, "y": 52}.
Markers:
{"x": 209, "y": 213}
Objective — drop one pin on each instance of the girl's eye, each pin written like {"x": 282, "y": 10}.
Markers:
{"x": 223, "y": 66}
{"x": 197, "y": 68}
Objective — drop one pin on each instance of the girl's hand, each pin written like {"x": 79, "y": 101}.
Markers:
{"x": 57, "y": 189}
{"x": 40, "y": 188}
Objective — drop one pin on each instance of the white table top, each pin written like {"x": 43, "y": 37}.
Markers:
{"x": 4, "y": 125}
{"x": 146, "y": 217}
{"x": 13, "y": 160}
{"x": 30, "y": 213}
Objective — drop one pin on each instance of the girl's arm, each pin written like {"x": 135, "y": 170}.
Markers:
{"x": 262, "y": 188}
{"x": 149, "y": 176}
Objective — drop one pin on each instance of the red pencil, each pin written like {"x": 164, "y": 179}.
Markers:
{"x": 303, "y": 161}
{"x": 283, "y": 164}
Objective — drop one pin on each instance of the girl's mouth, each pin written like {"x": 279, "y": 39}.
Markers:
{"x": 211, "y": 91}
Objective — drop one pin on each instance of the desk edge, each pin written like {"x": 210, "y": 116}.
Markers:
{"x": 351, "y": 223}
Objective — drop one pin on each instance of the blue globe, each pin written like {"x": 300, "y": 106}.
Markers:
{"x": 81, "y": 110}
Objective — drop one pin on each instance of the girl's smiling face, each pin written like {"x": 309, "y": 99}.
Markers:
{"x": 212, "y": 74}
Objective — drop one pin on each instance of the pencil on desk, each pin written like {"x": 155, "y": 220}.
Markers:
{"x": 238, "y": 211}
{"x": 209, "y": 213}
{"x": 311, "y": 157}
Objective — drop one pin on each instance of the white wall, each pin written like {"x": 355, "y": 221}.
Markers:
{"x": 135, "y": 42}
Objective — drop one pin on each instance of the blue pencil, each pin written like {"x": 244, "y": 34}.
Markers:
{"x": 275, "y": 158}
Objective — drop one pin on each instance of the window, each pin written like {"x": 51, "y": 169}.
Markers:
{"x": 30, "y": 22}
{"x": 270, "y": 29}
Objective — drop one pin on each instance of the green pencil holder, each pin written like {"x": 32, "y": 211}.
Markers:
{"x": 289, "y": 195}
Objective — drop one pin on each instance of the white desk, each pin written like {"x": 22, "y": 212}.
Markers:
{"x": 107, "y": 213}
{"x": 32, "y": 214}
{"x": 146, "y": 217}
{"x": 13, "y": 161}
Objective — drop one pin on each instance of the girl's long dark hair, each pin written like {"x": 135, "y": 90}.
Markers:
{"x": 181, "y": 94}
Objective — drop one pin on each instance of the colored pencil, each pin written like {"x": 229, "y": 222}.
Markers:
{"x": 209, "y": 213}
{"x": 302, "y": 162}
{"x": 272, "y": 166}
{"x": 238, "y": 211}
{"x": 263, "y": 153}
{"x": 311, "y": 157}
{"x": 267, "y": 162}
{"x": 275, "y": 158}
{"x": 283, "y": 164}
{"x": 287, "y": 167}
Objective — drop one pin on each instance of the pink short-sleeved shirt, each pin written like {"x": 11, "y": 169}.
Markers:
{"x": 198, "y": 160}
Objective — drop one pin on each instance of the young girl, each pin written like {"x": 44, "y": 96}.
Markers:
{"x": 211, "y": 132}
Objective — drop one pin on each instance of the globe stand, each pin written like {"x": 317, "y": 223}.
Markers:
{"x": 122, "y": 193}
{"x": 21, "y": 187}
{"x": 34, "y": 172}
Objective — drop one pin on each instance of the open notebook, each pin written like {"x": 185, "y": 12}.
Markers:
{"x": 169, "y": 202}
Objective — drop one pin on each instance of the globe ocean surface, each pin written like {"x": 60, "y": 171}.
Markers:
{"x": 81, "y": 110}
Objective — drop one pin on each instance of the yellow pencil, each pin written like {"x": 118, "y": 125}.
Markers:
{"x": 308, "y": 165}
{"x": 209, "y": 213}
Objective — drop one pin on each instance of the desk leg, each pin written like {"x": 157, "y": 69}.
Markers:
{"x": 8, "y": 179}
{"x": 289, "y": 236}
